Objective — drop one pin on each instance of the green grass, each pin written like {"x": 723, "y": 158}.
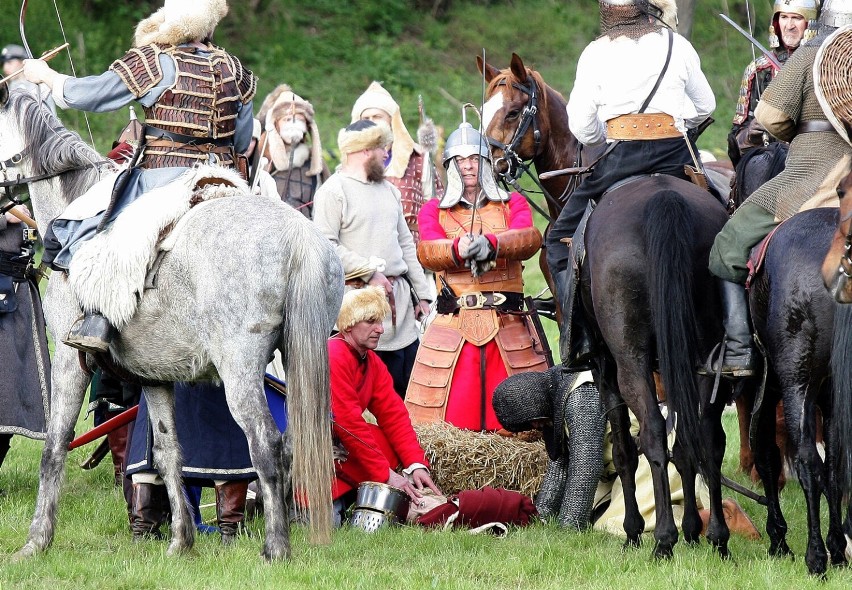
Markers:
{"x": 93, "y": 550}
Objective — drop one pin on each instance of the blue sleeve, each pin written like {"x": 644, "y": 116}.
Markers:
{"x": 106, "y": 92}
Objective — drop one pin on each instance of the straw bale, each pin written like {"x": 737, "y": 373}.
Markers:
{"x": 467, "y": 460}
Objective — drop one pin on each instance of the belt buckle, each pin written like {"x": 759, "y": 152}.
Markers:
{"x": 471, "y": 300}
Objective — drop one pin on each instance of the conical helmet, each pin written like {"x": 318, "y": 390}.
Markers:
{"x": 465, "y": 141}
{"x": 836, "y": 13}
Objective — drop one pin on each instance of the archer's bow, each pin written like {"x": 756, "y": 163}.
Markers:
{"x": 21, "y": 21}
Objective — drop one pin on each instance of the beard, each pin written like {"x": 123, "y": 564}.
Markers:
{"x": 292, "y": 131}
{"x": 375, "y": 169}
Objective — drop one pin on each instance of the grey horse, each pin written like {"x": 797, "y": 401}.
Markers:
{"x": 247, "y": 275}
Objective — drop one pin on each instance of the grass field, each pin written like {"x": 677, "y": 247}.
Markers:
{"x": 93, "y": 550}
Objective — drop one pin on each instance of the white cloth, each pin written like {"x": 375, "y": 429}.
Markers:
{"x": 364, "y": 220}
{"x": 615, "y": 76}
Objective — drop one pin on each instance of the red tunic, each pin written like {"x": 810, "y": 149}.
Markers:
{"x": 365, "y": 384}
{"x": 464, "y": 402}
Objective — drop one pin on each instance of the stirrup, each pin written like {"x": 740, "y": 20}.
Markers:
{"x": 716, "y": 366}
{"x": 93, "y": 333}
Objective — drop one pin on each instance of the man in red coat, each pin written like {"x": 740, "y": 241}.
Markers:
{"x": 360, "y": 381}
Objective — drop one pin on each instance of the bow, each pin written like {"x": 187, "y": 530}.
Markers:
{"x": 21, "y": 21}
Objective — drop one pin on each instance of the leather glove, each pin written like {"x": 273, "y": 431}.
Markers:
{"x": 478, "y": 249}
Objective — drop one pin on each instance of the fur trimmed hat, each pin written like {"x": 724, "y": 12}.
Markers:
{"x": 362, "y": 135}
{"x": 181, "y": 21}
{"x": 359, "y": 305}
{"x": 283, "y": 102}
{"x": 376, "y": 97}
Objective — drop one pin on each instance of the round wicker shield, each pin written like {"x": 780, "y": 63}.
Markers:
{"x": 833, "y": 79}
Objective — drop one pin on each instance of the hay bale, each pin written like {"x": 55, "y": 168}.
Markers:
{"x": 468, "y": 460}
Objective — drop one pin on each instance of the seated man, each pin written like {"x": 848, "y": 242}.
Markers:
{"x": 580, "y": 487}
{"x": 474, "y": 239}
{"x": 360, "y": 381}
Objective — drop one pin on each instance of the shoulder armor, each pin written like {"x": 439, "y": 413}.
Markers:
{"x": 246, "y": 81}
{"x": 139, "y": 69}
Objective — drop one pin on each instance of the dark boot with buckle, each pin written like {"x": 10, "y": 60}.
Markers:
{"x": 230, "y": 508}
{"x": 149, "y": 508}
{"x": 575, "y": 343}
{"x": 737, "y": 358}
{"x": 91, "y": 334}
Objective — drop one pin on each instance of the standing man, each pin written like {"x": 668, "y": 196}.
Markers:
{"x": 197, "y": 100}
{"x": 360, "y": 212}
{"x": 793, "y": 22}
{"x": 408, "y": 165}
{"x": 12, "y": 57}
{"x": 25, "y": 365}
{"x": 642, "y": 104}
{"x": 474, "y": 239}
{"x": 817, "y": 160}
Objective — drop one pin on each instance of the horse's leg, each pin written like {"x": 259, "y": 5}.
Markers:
{"x": 271, "y": 453}
{"x": 652, "y": 436}
{"x": 767, "y": 461}
{"x": 168, "y": 459}
{"x": 835, "y": 540}
{"x": 68, "y": 385}
{"x": 691, "y": 523}
{"x": 799, "y": 408}
{"x": 745, "y": 403}
{"x": 713, "y": 433}
{"x": 625, "y": 456}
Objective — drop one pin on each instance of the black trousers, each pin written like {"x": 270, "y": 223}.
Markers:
{"x": 5, "y": 439}
{"x": 628, "y": 158}
{"x": 400, "y": 363}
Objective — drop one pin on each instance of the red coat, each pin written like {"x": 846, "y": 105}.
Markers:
{"x": 365, "y": 384}
{"x": 465, "y": 399}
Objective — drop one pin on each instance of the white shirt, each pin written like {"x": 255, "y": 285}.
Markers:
{"x": 615, "y": 76}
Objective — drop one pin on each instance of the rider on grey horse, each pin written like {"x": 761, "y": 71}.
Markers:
{"x": 197, "y": 100}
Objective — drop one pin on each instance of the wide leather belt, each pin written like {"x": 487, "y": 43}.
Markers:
{"x": 815, "y": 126}
{"x": 158, "y": 133}
{"x": 642, "y": 127}
{"x": 14, "y": 265}
{"x": 480, "y": 300}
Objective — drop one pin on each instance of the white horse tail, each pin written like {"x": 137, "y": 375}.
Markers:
{"x": 314, "y": 279}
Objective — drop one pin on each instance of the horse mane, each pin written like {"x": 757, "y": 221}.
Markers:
{"x": 51, "y": 148}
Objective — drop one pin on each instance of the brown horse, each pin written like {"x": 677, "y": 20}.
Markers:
{"x": 644, "y": 280}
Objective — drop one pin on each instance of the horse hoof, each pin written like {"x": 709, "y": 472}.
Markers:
{"x": 661, "y": 552}
{"x": 270, "y": 555}
{"x": 631, "y": 543}
{"x": 781, "y": 550}
{"x": 26, "y": 552}
{"x": 176, "y": 549}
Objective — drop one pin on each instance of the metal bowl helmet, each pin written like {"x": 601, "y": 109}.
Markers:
{"x": 836, "y": 13}
{"x": 809, "y": 9}
{"x": 465, "y": 141}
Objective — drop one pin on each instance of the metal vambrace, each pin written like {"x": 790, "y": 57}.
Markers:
{"x": 585, "y": 422}
{"x": 518, "y": 244}
{"x": 437, "y": 255}
{"x": 549, "y": 498}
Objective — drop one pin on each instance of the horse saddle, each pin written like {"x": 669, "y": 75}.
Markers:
{"x": 758, "y": 255}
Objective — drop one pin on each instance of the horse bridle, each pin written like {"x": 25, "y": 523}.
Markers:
{"x": 514, "y": 163}
{"x": 9, "y": 184}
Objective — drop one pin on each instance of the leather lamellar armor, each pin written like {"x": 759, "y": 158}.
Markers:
{"x": 411, "y": 192}
{"x": 513, "y": 246}
{"x": 203, "y": 102}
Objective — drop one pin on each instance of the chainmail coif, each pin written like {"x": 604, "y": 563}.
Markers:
{"x": 629, "y": 20}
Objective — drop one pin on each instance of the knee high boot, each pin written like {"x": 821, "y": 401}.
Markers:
{"x": 117, "y": 440}
{"x": 149, "y": 508}
{"x": 230, "y": 508}
{"x": 575, "y": 343}
{"x": 739, "y": 345}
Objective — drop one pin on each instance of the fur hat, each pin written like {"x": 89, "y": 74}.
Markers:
{"x": 283, "y": 102}
{"x": 367, "y": 304}
{"x": 362, "y": 135}
{"x": 376, "y": 97}
{"x": 181, "y": 21}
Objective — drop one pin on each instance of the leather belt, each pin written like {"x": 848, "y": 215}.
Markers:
{"x": 160, "y": 134}
{"x": 642, "y": 127}
{"x": 15, "y": 266}
{"x": 815, "y": 126}
{"x": 480, "y": 300}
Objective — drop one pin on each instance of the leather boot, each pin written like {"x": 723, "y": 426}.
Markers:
{"x": 117, "y": 440}
{"x": 230, "y": 508}
{"x": 739, "y": 346}
{"x": 91, "y": 334}
{"x": 575, "y": 343}
{"x": 149, "y": 508}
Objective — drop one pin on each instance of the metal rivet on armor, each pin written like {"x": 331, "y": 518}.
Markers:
{"x": 634, "y": 126}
